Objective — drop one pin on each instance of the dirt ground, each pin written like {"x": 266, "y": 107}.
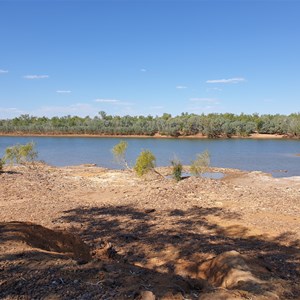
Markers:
{"x": 86, "y": 232}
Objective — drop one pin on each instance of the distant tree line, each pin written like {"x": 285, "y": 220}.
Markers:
{"x": 211, "y": 125}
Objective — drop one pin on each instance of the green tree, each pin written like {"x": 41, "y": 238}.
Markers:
{"x": 119, "y": 152}
{"x": 212, "y": 125}
{"x": 145, "y": 162}
{"x": 201, "y": 163}
{"x": 294, "y": 125}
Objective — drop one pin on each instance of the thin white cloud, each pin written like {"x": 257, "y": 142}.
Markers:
{"x": 36, "y": 76}
{"x": 209, "y": 107}
{"x": 120, "y": 103}
{"x": 143, "y": 70}
{"x": 106, "y": 100}
{"x": 10, "y": 112}
{"x": 80, "y": 109}
{"x": 214, "y": 89}
{"x": 3, "y": 71}
{"x": 203, "y": 104}
{"x": 113, "y": 102}
{"x": 181, "y": 87}
{"x": 9, "y": 109}
{"x": 202, "y": 108}
{"x": 156, "y": 107}
{"x": 229, "y": 80}
{"x": 205, "y": 100}
{"x": 63, "y": 92}
{"x": 76, "y": 109}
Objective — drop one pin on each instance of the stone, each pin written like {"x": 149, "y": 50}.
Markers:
{"x": 146, "y": 295}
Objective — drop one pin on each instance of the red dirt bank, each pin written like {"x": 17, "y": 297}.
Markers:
{"x": 198, "y": 136}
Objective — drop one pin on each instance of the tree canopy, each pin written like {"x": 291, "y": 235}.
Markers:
{"x": 211, "y": 125}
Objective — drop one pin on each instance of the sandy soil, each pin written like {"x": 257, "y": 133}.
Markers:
{"x": 85, "y": 232}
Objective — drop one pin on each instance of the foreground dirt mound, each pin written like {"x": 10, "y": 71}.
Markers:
{"x": 37, "y": 236}
{"x": 231, "y": 270}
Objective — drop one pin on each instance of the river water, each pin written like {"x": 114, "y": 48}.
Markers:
{"x": 276, "y": 156}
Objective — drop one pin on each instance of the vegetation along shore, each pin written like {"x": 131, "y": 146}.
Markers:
{"x": 185, "y": 125}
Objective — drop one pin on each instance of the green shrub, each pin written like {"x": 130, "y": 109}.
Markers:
{"x": 119, "y": 152}
{"x": 20, "y": 154}
{"x": 145, "y": 162}
{"x": 201, "y": 163}
{"x": 177, "y": 169}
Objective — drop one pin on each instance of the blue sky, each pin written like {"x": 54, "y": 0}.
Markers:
{"x": 149, "y": 57}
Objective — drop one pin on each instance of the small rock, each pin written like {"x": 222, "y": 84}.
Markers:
{"x": 146, "y": 295}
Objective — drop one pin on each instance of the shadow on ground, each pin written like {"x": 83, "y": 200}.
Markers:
{"x": 178, "y": 242}
{"x": 160, "y": 251}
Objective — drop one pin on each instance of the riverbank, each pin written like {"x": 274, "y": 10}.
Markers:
{"x": 147, "y": 235}
{"x": 156, "y": 136}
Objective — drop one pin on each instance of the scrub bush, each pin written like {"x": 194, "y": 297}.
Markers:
{"x": 20, "y": 154}
{"x": 201, "y": 163}
{"x": 119, "y": 152}
{"x": 145, "y": 162}
{"x": 177, "y": 169}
